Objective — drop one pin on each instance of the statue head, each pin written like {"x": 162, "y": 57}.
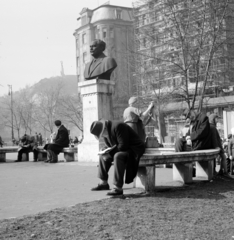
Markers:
{"x": 97, "y": 47}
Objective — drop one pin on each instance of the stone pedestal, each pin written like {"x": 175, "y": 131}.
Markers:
{"x": 97, "y": 104}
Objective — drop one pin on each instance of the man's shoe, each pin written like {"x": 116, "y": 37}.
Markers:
{"x": 18, "y": 161}
{"x": 115, "y": 192}
{"x": 53, "y": 162}
{"x": 226, "y": 175}
{"x": 101, "y": 187}
{"x": 47, "y": 161}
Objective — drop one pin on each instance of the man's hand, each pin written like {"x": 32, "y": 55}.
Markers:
{"x": 188, "y": 141}
{"x": 230, "y": 157}
{"x": 106, "y": 156}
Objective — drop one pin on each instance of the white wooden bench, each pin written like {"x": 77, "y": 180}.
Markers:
{"x": 69, "y": 153}
{"x": 182, "y": 165}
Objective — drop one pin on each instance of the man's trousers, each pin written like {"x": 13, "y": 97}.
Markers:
{"x": 120, "y": 161}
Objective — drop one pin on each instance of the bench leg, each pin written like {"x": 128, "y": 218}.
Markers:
{"x": 205, "y": 169}
{"x": 183, "y": 172}
{"x": 2, "y": 157}
{"x": 25, "y": 156}
{"x": 69, "y": 157}
{"x": 42, "y": 156}
{"x": 145, "y": 178}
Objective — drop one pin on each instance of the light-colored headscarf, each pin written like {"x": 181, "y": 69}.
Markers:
{"x": 132, "y": 100}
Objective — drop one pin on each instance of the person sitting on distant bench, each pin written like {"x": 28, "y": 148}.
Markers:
{"x": 60, "y": 140}
{"x": 27, "y": 144}
{"x": 1, "y": 142}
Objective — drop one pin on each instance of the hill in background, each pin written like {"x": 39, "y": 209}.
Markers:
{"x": 69, "y": 85}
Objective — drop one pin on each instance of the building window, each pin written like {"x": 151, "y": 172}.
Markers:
{"x": 84, "y": 38}
{"x": 78, "y": 62}
{"x": 84, "y": 57}
{"x": 111, "y": 33}
{"x": 83, "y": 20}
{"x": 96, "y": 31}
{"x": 118, "y": 13}
{"x": 77, "y": 41}
{"x": 104, "y": 33}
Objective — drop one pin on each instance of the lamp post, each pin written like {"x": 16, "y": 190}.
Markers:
{"x": 10, "y": 93}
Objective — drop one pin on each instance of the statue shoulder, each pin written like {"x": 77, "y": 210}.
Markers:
{"x": 110, "y": 61}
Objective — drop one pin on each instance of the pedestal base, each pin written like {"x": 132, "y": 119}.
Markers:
{"x": 88, "y": 152}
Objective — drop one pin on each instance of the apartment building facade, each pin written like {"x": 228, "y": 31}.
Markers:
{"x": 181, "y": 44}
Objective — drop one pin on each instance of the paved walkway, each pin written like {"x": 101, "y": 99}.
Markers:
{"x": 32, "y": 187}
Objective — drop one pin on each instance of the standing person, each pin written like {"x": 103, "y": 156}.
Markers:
{"x": 60, "y": 140}
{"x": 231, "y": 148}
{"x": 27, "y": 144}
{"x": 225, "y": 147}
{"x": 123, "y": 147}
{"x": 1, "y": 142}
{"x": 134, "y": 117}
{"x": 36, "y": 137}
{"x": 199, "y": 132}
{"x": 217, "y": 143}
{"x": 40, "y": 139}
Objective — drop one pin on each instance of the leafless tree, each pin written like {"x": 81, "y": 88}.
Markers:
{"x": 183, "y": 48}
{"x": 70, "y": 109}
{"x": 190, "y": 41}
{"x": 47, "y": 105}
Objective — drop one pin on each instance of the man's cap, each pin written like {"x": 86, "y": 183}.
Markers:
{"x": 132, "y": 100}
{"x": 57, "y": 122}
{"x": 97, "y": 128}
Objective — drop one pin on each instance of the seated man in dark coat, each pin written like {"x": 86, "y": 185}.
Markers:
{"x": 101, "y": 66}
{"x": 123, "y": 147}
{"x": 199, "y": 132}
{"x": 27, "y": 144}
{"x": 61, "y": 140}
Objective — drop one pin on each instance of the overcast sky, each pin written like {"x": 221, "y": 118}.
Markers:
{"x": 36, "y": 35}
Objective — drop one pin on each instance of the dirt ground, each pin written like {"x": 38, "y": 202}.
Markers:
{"x": 202, "y": 210}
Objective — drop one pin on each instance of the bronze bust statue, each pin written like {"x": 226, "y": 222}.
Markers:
{"x": 101, "y": 66}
